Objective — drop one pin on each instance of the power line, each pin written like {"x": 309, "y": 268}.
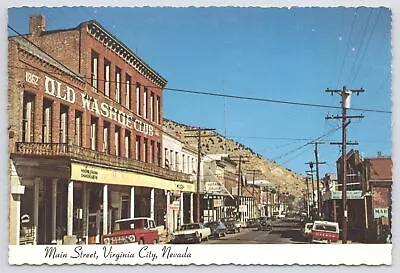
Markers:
{"x": 236, "y": 97}
{"x": 272, "y": 101}
{"x": 366, "y": 47}
{"x": 347, "y": 47}
{"x": 304, "y": 145}
{"x": 360, "y": 46}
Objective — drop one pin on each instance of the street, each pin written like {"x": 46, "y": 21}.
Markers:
{"x": 285, "y": 231}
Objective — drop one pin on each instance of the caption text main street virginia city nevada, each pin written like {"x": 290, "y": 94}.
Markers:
{"x": 197, "y": 126}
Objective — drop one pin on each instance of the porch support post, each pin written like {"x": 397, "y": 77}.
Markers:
{"x": 152, "y": 203}
{"x": 70, "y": 208}
{"x": 36, "y": 185}
{"x": 132, "y": 202}
{"x": 191, "y": 207}
{"x": 54, "y": 210}
{"x": 105, "y": 209}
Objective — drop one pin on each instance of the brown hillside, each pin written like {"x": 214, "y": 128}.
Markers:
{"x": 287, "y": 180}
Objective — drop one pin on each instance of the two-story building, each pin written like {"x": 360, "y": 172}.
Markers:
{"x": 85, "y": 136}
{"x": 181, "y": 158}
{"x": 378, "y": 194}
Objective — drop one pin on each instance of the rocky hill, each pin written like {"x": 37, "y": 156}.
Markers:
{"x": 216, "y": 143}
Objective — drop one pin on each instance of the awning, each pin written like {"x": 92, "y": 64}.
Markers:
{"x": 94, "y": 174}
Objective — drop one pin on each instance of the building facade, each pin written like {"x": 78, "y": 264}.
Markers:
{"x": 378, "y": 198}
{"x": 85, "y": 136}
{"x": 183, "y": 159}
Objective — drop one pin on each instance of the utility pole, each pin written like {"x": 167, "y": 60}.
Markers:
{"x": 345, "y": 95}
{"x": 311, "y": 172}
{"x": 317, "y": 163}
{"x": 199, "y": 131}
{"x": 317, "y": 173}
{"x": 308, "y": 198}
{"x": 252, "y": 192}
{"x": 241, "y": 160}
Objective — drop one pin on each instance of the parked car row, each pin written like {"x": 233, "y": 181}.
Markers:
{"x": 142, "y": 230}
{"x": 198, "y": 232}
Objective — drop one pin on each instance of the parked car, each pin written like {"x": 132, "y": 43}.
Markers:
{"x": 218, "y": 229}
{"x": 231, "y": 225}
{"x": 133, "y": 231}
{"x": 307, "y": 230}
{"x": 195, "y": 232}
{"x": 325, "y": 232}
{"x": 265, "y": 223}
{"x": 252, "y": 223}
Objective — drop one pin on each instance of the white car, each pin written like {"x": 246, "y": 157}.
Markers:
{"x": 195, "y": 232}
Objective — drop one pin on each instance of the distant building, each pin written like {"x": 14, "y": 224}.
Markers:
{"x": 180, "y": 158}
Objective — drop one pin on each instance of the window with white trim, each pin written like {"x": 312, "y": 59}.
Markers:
{"x": 94, "y": 70}
{"x": 118, "y": 85}
{"x": 27, "y": 117}
{"x": 107, "y": 67}
{"x": 128, "y": 91}
{"x": 46, "y": 118}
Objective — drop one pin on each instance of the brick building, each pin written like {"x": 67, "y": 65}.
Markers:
{"x": 85, "y": 136}
{"x": 378, "y": 173}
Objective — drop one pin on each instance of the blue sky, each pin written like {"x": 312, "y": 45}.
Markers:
{"x": 271, "y": 53}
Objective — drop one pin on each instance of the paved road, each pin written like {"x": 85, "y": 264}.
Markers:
{"x": 285, "y": 231}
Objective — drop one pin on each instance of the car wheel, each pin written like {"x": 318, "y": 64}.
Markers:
{"x": 155, "y": 242}
{"x": 141, "y": 242}
{"x": 206, "y": 238}
{"x": 200, "y": 239}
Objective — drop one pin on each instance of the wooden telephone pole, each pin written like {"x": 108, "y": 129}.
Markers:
{"x": 241, "y": 160}
{"x": 199, "y": 136}
{"x": 317, "y": 163}
{"x": 345, "y": 95}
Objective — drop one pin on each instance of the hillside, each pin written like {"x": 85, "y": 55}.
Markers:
{"x": 269, "y": 170}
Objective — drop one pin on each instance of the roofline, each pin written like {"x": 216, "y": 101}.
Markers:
{"x": 95, "y": 23}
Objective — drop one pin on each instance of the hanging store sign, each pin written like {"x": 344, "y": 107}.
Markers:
{"x": 66, "y": 93}
{"x": 213, "y": 187}
{"x": 242, "y": 208}
{"x": 174, "y": 206}
{"x": 217, "y": 203}
{"x": 381, "y": 212}
{"x": 350, "y": 195}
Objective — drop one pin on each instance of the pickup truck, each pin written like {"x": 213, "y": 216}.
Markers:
{"x": 133, "y": 231}
{"x": 324, "y": 232}
{"x": 195, "y": 232}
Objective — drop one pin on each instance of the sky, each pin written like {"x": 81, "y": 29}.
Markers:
{"x": 275, "y": 54}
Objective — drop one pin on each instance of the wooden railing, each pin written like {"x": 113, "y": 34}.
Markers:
{"x": 89, "y": 155}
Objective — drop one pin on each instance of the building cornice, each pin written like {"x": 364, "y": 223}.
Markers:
{"x": 112, "y": 43}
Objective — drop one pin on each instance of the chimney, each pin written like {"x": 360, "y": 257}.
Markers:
{"x": 379, "y": 154}
{"x": 37, "y": 24}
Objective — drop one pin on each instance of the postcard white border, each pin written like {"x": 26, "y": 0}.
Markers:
{"x": 244, "y": 254}
{"x": 347, "y": 253}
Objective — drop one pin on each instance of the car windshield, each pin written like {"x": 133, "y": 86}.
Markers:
{"x": 325, "y": 228}
{"x": 131, "y": 224}
{"x": 190, "y": 226}
{"x": 211, "y": 224}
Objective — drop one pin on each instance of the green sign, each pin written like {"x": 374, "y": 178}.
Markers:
{"x": 350, "y": 195}
{"x": 381, "y": 212}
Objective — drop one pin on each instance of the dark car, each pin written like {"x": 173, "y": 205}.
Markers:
{"x": 265, "y": 224}
{"x": 232, "y": 226}
{"x": 218, "y": 229}
{"x": 252, "y": 223}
